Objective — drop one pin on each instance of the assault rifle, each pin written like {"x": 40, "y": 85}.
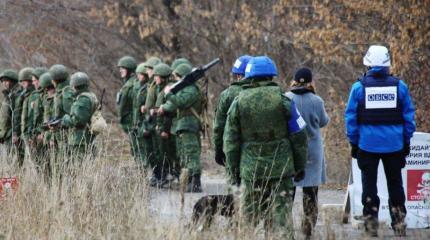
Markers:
{"x": 53, "y": 123}
{"x": 101, "y": 98}
{"x": 193, "y": 76}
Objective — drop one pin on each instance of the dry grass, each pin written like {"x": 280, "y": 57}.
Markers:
{"x": 107, "y": 198}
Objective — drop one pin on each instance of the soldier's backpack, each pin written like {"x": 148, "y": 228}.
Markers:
{"x": 98, "y": 123}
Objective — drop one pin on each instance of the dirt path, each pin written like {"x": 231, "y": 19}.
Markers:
{"x": 165, "y": 205}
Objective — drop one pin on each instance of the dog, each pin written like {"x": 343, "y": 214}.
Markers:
{"x": 208, "y": 206}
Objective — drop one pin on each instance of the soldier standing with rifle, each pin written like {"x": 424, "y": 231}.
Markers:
{"x": 79, "y": 120}
{"x": 62, "y": 103}
{"x": 184, "y": 97}
{"x": 165, "y": 141}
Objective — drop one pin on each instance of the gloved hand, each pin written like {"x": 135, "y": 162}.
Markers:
{"x": 220, "y": 157}
{"x": 354, "y": 150}
{"x": 299, "y": 176}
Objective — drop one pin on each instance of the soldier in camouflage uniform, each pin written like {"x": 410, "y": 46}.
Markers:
{"x": 144, "y": 141}
{"x": 32, "y": 116}
{"x": 18, "y": 138}
{"x": 178, "y": 62}
{"x": 265, "y": 146}
{"x": 226, "y": 98}
{"x": 78, "y": 120}
{"x": 187, "y": 103}
{"x": 165, "y": 141}
{"x": 63, "y": 100}
{"x": 124, "y": 100}
{"x": 48, "y": 144}
{"x": 12, "y": 90}
{"x": 149, "y": 129}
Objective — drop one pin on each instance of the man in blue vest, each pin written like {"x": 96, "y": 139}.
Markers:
{"x": 380, "y": 123}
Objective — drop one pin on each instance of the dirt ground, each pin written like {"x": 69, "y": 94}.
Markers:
{"x": 166, "y": 206}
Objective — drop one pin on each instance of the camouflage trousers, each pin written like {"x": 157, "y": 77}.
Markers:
{"x": 272, "y": 202}
{"x": 167, "y": 161}
{"x": 189, "y": 149}
{"x": 141, "y": 149}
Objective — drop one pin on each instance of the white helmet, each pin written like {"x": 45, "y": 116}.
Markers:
{"x": 377, "y": 56}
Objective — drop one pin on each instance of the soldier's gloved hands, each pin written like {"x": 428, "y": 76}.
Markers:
{"x": 164, "y": 135}
{"x": 14, "y": 139}
{"x": 299, "y": 176}
{"x": 220, "y": 157}
{"x": 143, "y": 109}
{"x": 354, "y": 150}
{"x": 167, "y": 89}
{"x": 40, "y": 138}
{"x": 160, "y": 111}
{"x": 152, "y": 112}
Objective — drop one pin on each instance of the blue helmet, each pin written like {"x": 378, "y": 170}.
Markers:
{"x": 261, "y": 66}
{"x": 240, "y": 64}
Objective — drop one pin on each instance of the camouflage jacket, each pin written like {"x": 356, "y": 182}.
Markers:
{"x": 124, "y": 101}
{"x": 187, "y": 103}
{"x": 164, "y": 123}
{"x": 259, "y": 141}
{"x": 63, "y": 100}
{"x": 48, "y": 114}
{"x": 79, "y": 119}
{"x": 7, "y": 111}
{"x": 21, "y": 111}
{"x": 225, "y": 100}
{"x": 151, "y": 97}
{"x": 139, "y": 99}
{"x": 30, "y": 111}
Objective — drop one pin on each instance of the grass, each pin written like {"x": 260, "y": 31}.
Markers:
{"x": 106, "y": 198}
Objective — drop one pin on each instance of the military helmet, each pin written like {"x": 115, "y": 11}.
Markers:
{"x": 25, "y": 74}
{"x": 46, "y": 80}
{"x": 240, "y": 64}
{"x": 59, "y": 72}
{"x": 152, "y": 62}
{"x": 9, "y": 74}
{"x": 261, "y": 66}
{"x": 141, "y": 68}
{"x": 37, "y": 72}
{"x": 127, "y": 62}
{"x": 183, "y": 69}
{"x": 162, "y": 70}
{"x": 79, "y": 79}
{"x": 179, "y": 61}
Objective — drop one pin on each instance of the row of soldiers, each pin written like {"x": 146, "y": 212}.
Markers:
{"x": 163, "y": 128}
{"x": 36, "y": 97}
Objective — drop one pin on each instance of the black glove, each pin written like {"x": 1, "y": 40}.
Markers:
{"x": 406, "y": 149}
{"x": 299, "y": 176}
{"x": 354, "y": 150}
{"x": 220, "y": 157}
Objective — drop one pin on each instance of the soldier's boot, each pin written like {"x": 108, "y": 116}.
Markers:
{"x": 155, "y": 178}
{"x": 194, "y": 184}
{"x": 371, "y": 226}
{"x": 398, "y": 224}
